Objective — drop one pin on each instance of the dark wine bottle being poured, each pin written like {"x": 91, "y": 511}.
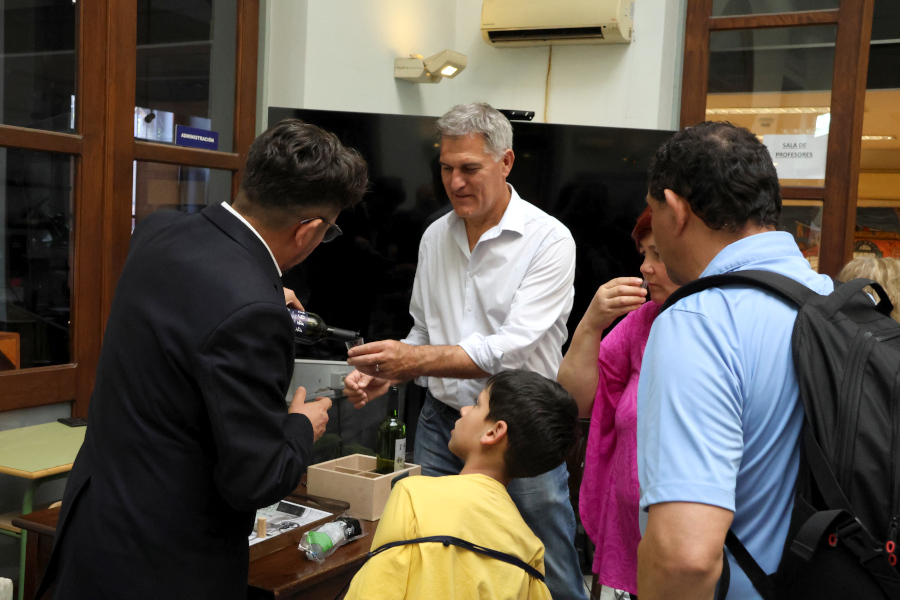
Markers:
{"x": 309, "y": 328}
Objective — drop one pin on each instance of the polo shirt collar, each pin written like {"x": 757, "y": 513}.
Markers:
{"x": 753, "y": 249}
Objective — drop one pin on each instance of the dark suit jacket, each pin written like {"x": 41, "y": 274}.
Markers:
{"x": 188, "y": 432}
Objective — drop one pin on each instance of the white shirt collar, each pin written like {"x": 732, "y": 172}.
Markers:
{"x": 245, "y": 222}
{"x": 513, "y": 219}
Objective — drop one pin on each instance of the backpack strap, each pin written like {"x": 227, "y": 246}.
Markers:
{"x": 776, "y": 283}
{"x": 724, "y": 578}
{"x": 447, "y": 540}
{"x": 845, "y": 291}
{"x": 761, "y": 582}
{"x": 843, "y": 521}
{"x": 822, "y": 474}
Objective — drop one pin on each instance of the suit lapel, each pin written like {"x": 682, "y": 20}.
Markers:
{"x": 240, "y": 233}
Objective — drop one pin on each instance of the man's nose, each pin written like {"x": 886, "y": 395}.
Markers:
{"x": 464, "y": 410}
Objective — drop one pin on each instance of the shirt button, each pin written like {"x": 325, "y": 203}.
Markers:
{"x": 468, "y": 310}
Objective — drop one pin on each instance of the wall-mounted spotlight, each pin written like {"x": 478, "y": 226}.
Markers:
{"x": 416, "y": 69}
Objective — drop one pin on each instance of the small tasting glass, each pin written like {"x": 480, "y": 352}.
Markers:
{"x": 357, "y": 342}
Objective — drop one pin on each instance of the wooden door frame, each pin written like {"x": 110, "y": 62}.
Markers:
{"x": 854, "y": 29}
{"x": 104, "y": 149}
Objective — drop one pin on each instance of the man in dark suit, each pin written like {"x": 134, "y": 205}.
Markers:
{"x": 188, "y": 427}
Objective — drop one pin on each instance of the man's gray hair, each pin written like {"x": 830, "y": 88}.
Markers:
{"x": 478, "y": 117}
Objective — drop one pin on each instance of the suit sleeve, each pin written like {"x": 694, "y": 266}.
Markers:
{"x": 262, "y": 451}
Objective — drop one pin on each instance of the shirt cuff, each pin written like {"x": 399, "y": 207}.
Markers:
{"x": 487, "y": 357}
{"x": 687, "y": 492}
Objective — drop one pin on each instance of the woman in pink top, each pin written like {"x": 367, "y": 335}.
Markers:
{"x": 603, "y": 376}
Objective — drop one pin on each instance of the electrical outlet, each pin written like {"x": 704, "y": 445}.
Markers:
{"x": 337, "y": 379}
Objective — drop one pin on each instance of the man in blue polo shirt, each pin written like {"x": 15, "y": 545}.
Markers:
{"x": 719, "y": 415}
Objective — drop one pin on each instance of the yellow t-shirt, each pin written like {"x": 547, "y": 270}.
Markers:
{"x": 475, "y": 508}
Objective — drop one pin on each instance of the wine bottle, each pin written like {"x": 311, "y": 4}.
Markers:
{"x": 390, "y": 449}
{"x": 309, "y": 328}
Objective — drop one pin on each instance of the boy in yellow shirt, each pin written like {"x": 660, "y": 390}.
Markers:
{"x": 522, "y": 425}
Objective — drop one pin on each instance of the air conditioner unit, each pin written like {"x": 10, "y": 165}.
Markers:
{"x": 507, "y": 23}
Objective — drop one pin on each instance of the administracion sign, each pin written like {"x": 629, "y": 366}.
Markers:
{"x": 196, "y": 138}
{"x": 798, "y": 156}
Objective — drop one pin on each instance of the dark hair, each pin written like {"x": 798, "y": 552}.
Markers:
{"x": 541, "y": 421}
{"x": 294, "y": 165}
{"x": 723, "y": 171}
{"x": 642, "y": 229}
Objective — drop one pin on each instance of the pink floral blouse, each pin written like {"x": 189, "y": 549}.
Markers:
{"x": 609, "y": 496}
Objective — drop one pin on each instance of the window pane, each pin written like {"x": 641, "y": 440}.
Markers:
{"x": 186, "y": 52}
{"x": 38, "y": 54}
{"x": 188, "y": 189}
{"x": 803, "y": 220}
{"x": 886, "y": 21}
{"x": 884, "y": 52}
{"x": 878, "y": 205}
{"x": 752, "y": 7}
{"x": 35, "y": 266}
{"x": 777, "y": 83}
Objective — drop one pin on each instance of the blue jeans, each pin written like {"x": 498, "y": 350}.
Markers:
{"x": 543, "y": 501}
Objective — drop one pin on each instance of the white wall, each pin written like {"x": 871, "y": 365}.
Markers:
{"x": 339, "y": 55}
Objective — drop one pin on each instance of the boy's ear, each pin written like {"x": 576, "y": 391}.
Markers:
{"x": 495, "y": 434}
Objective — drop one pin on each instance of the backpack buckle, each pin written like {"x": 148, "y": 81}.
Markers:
{"x": 848, "y": 529}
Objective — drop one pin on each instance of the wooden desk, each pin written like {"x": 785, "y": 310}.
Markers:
{"x": 38, "y": 454}
{"x": 285, "y": 574}
{"x": 288, "y": 574}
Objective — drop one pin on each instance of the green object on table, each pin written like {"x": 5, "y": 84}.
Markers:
{"x": 38, "y": 454}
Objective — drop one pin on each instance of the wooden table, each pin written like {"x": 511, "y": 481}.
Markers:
{"x": 288, "y": 574}
{"x": 37, "y": 454}
{"x": 285, "y": 574}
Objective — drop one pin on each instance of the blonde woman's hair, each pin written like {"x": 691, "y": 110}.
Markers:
{"x": 885, "y": 271}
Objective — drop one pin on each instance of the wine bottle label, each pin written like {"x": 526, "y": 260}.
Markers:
{"x": 300, "y": 321}
{"x": 399, "y": 454}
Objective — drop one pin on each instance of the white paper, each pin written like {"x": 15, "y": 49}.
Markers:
{"x": 277, "y": 522}
{"x": 798, "y": 156}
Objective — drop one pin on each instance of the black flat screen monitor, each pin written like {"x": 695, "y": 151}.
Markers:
{"x": 593, "y": 179}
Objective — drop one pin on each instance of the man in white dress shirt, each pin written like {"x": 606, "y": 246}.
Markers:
{"x": 493, "y": 290}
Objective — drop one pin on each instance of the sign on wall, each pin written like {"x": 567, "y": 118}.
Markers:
{"x": 196, "y": 138}
{"x": 798, "y": 156}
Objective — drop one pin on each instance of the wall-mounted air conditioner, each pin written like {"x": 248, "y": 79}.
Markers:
{"x": 556, "y": 22}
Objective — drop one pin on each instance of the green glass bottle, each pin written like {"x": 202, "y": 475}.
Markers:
{"x": 390, "y": 448}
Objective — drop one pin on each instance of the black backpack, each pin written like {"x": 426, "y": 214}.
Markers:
{"x": 845, "y": 526}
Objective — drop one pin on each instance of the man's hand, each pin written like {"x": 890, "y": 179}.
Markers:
{"x": 316, "y": 412}
{"x": 389, "y": 360}
{"x": 614, "y": 299}
{"x": 290, "y": 298}
{"x": 361, "y": 389}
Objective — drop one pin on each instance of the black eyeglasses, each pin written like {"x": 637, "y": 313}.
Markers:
{"x": 333, "y": 229}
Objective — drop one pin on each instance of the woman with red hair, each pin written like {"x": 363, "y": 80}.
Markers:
{"x": 602, "y": 375}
